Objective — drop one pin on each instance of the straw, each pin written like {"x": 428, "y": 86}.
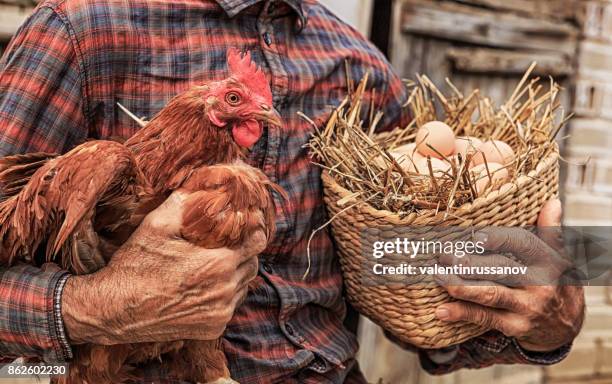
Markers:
{"x": 362, "y": 162}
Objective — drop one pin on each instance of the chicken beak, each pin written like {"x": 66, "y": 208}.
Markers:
{"x": 270, "y": 115}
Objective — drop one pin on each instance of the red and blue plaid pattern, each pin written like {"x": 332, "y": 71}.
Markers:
{"x": 73, "y": 60}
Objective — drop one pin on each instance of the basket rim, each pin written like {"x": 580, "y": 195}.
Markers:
{"x": 550, "y": 161}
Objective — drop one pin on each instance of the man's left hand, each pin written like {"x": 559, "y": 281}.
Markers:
{"x": 541, "y": 313}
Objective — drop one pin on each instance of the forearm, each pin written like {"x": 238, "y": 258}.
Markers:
{"x": 96, "y": 308}
{"x": 83, "y": 316}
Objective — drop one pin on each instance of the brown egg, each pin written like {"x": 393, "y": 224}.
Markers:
{"x": 495, "y": 151}
{"x": 404, "y": 160}
{"x": 381, "y": 161}
{"x": 466, "y": 144}
{"x": 438, "y": 166}
{"x": 437, "y": 134}
{"x": 499, "y": 175}
{"x": 410, "y": 150}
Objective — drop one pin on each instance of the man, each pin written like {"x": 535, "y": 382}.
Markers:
{"x": 62, "y": 75}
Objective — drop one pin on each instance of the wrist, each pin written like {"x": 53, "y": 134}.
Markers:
{"x": 538, "y": 348}
{"x": 85, "y": 317}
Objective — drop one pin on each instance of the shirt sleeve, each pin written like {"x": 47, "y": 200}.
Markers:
{"x": 41, "y": 93}
{"x": 41, "y": 109}
{"x": 491, "y": 348}
{"x": 486, "y": 350}
{"x": 30, "y": 322}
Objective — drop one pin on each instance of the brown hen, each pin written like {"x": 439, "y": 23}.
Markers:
{"x": 78, "y": 208}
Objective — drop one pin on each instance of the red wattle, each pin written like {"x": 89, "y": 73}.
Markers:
{"x": 246, "y": 133}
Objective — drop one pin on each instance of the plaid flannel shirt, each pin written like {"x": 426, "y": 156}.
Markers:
{"x": 73, "y": 60}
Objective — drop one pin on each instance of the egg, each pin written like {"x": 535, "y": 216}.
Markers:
{"x": 381, "y": 161}
{"x": 437, "y": 134}
{"x": 466, "y": 144}
{"x": 495, "y": 151}
{"x": 404, "y": 160}
{"x": 410, "y": 150}
{"x": 499, "y": 175}
{"x": 405, "y": 156}
{"x": 438, "y": 166}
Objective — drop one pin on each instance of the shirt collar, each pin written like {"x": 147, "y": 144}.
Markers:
{"x": 234, "y": 7}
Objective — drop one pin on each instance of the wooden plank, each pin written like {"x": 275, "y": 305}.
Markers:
{"x": 555, "y": 9}
{"x": 22, "y": 3}
{"x": 461, "y": 23}
{"x": 11, "y": 18}
{"x": 379, "y": 358}
{"x": 485, "y": 60}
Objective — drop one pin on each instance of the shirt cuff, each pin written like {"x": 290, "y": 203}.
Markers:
{"x": 30, "y": 316}
{"x": 485, "y": 350}
{"x": 64, "y": 349}
{"x": 543, "y": 358}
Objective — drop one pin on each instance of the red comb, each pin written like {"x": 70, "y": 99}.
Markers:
{"x": 243, "y": 69}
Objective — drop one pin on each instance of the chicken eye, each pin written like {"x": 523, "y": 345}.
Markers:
{"x": 232, "y": 98}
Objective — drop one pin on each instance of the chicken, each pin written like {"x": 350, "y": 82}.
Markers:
{"x": 76, "y": 209}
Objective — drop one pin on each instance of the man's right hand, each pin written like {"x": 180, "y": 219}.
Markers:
{"x": 158, "y": 287}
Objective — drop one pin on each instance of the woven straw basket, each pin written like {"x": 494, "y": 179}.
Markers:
{"x": 407, "y": 310}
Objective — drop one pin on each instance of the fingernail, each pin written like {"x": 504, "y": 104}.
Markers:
{"x": 439, "y": 279}
{"x": 442, "y": 313}
{"x": 556, "y": 203}
{"x": 481, "y": 236}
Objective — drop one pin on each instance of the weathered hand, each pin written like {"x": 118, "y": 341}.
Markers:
{"x": 158, "y": 287}
{"x": 539, "y": 312}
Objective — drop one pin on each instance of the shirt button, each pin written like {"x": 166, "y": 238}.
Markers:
{"x": 318, "y": 365}
{"x": 267, "y": 267}
{"x": 289, "y": 329}
{"x": 267, "y": 39}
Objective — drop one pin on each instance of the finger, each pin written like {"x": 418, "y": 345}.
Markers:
{"x": 550, "y": 215}
{"x": 253, "y": 246}
{"x": 167, "y": 218}
{"x": 240, "y": 297}
{"x": 490, "y": 267}
{"x": 486, "y": 293}
{"x": 508, "y": 323}
{"x": 549, "y": 225}
{"x": 522, "y": 244}
{"x": 246, "y": 272}
{"x": 508, "y": 239}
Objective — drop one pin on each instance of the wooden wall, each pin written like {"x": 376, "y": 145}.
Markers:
{"x": 485, "y": 44}
{"x": 12, "y": 14}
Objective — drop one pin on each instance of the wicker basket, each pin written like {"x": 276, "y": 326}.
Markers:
{"x": 407, "y": 310}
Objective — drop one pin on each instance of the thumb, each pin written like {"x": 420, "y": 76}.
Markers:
{"x": 549, "y": 223}
{"x": 168, "y": 217}
{"x": 550, "y": 215}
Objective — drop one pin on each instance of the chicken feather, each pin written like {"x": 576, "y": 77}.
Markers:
{"x": 76, "y": 209}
